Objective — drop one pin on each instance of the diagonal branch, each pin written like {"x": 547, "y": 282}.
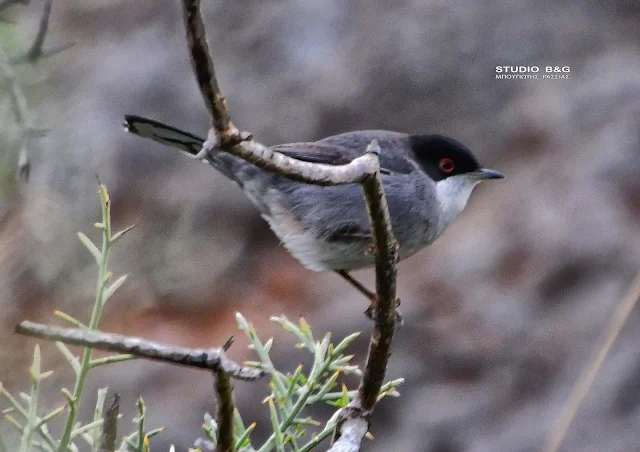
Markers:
{"x": 354, "y": 420}
{"x": 203, "y": 68}
{"x": 213, "y": 359}
{"x": 225, "y": 135}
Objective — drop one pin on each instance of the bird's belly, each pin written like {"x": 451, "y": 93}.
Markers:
{"x": 320, "y": 255}
{"x": 313, "y": 252}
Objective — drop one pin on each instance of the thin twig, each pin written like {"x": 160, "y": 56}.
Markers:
{"x": 582, "y": 386}
{"x": 213, "y": 359}
{"x": 224, "y": 394}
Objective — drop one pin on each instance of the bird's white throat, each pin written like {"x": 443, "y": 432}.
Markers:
{"x": 452, "y": 194}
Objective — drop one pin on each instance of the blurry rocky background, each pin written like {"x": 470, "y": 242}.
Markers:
{"x": 502, "y": 311}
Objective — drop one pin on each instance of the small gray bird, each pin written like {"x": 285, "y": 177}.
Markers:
{"x": 427, "y": 180}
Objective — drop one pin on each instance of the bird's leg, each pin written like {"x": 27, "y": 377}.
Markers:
{"x": 368, "y": 294}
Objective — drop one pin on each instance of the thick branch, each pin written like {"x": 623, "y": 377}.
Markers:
{"x": 224, "y": 395}
{"x": 213, "y": 359}
{"x": 311, "y": 173}
{"x": 349, "y": 430}
{"x": 224, "y": 135}
{"x": 385, "y": 309}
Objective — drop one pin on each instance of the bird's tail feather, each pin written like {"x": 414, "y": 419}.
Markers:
{"x": 233, "y": 167}
{"x": 163, "y": 133}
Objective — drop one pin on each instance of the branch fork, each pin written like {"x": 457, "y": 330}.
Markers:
{"x": 365, "y": 170}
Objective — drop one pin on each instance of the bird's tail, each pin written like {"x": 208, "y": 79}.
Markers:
{"x": 233, "y": 167}
{"x": 163, "y": 133}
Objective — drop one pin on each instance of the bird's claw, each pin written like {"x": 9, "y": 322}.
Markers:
{"x": 371, "y": 313}
{"x": 209, "y": 147}
{"x": 215, "y": 142}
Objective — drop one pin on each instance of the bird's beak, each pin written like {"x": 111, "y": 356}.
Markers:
{"x": 485, "y": 173}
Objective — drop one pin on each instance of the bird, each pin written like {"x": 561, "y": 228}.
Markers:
{"x": 427, "y": 179}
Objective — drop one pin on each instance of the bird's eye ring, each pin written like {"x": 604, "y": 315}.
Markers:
{"x": 446, "y": 165}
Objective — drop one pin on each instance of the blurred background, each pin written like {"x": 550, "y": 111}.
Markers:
{"x": 502, "y": 311}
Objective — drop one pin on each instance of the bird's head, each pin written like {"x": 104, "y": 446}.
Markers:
{"x": 453, "y": 168}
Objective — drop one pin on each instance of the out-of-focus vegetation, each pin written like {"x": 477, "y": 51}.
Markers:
{"x": 502, "y": 310}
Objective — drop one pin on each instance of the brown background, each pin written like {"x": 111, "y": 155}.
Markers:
{"x": 502, "y": 311}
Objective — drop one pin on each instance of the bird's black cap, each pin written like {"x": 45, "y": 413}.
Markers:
{"x": 442, "y": 157}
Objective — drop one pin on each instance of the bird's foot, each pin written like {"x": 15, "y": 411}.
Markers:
{"x": 371, "y": 313}
{"x": 216, "y": 143}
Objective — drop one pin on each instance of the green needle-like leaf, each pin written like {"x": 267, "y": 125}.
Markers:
{"x": 275, "y": 423}
{"x": 93, "y": 249}
{"x": 71, "y": 358}
{"x": 243, "y": 439}
{"x": 67, "y": 318}
{"x": 113, "y": 287}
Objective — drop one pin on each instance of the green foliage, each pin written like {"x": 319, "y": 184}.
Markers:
{"x": 290, "y": 392}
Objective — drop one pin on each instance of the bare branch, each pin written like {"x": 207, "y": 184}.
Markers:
{"x": 213, "y": 359}
{"x": 311, "y": 173}
{"x": 224, "y": 395}
{"x": 224, "y": 135}
{"x": 385, "y": 309}
{"x": 349, "y": 430}
{"x": 203, "y": 68}
{"x": 353, "y": 423}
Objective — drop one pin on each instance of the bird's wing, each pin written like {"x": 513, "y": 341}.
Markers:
{"x": 338, "y": 155}
{"x": 316, "y": 153}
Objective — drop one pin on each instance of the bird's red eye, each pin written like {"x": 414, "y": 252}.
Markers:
{"x": 446, "y": 165}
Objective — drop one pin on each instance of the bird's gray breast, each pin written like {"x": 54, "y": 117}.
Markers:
{"x": 327, "y": 227}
